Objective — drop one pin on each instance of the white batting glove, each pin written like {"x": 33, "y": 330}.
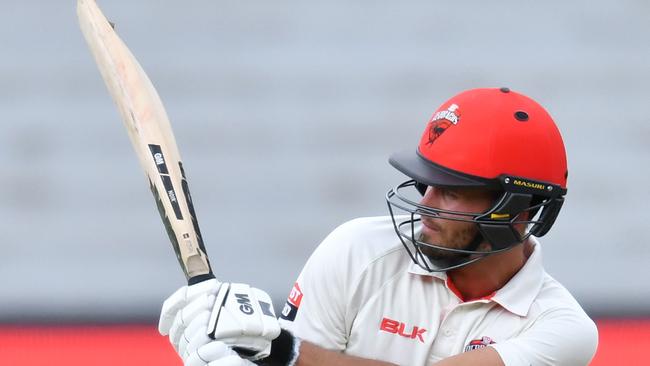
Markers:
{"x": 237, "y": 314}
{"x": 215, "y": 353}
{"x": 243, "y": 318}
{"x": 183, "y": 306}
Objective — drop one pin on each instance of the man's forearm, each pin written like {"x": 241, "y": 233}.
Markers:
{"x": 313, "y": 355}
{"x": 487, "y": 356}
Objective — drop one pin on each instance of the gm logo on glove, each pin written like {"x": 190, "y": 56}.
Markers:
{"x": 245, "y": 304}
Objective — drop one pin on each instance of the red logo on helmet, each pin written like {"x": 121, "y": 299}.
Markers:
{"x": 479, "y": 343}
{"x": 441, "y": 121}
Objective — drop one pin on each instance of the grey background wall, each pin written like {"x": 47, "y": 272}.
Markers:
{"x": 285, "y": 113}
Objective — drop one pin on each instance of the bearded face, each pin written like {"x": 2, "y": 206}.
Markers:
{"x": 445, "y": 230}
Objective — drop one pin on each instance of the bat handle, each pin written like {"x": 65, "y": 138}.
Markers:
{"x": 200, "y": 278}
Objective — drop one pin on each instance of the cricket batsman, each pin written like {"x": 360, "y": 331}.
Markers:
{"x": 453, "y": 275}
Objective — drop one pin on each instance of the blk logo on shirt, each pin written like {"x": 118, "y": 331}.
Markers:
{"x": 399, "y": 328}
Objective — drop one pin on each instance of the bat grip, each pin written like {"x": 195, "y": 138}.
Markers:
{"x": 200, "y": 278}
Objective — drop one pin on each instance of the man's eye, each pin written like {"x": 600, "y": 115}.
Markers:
{"x": 450, "y": 194}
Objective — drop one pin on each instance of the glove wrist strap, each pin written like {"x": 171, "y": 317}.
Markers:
{"x": 284, "y": 350}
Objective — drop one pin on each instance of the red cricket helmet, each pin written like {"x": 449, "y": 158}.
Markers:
{"x": 493, "y": 138}
{"x": 481, "y": 134}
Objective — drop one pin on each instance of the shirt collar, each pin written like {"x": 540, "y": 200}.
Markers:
{"x": 519, "y": 293}
{"x": 416, "y": 269}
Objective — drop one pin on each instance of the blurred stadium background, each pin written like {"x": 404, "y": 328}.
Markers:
{"x": 285, "y": 113}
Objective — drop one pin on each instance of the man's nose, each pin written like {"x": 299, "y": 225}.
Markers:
{"x": 431, "y": 197}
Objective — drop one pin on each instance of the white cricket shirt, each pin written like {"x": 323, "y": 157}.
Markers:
{"x": 361, "y": 294}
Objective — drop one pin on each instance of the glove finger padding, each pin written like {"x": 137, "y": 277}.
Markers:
{"x": 213, "y": 354}
{"x": 245, "y": 320}
{"x": 169, "y": 309}
{"x": 199, "y": 339}
{"x": 180, "y": 299}
{"x": 202, "y": 304}
{"x": 198, "y": 326}
{"x": 232, "y": 360}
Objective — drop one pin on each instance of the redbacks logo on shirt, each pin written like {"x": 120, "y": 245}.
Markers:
{"x": 479, "y": 343}
{"x": 293, "y": 303}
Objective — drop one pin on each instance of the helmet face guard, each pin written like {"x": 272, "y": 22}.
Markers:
{"x": 497, "y": 226}
{"x": 490, "y": 138}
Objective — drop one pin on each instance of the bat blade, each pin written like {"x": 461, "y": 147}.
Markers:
{"x": 151, "y": 135}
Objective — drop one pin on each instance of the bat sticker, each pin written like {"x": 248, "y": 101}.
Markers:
{"x": 190, "y": 206}
{"x": 168, "y": 226}
{"x": 158, "y": 158}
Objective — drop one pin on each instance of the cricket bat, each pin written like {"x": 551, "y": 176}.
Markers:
{"x": 152, "y": 138}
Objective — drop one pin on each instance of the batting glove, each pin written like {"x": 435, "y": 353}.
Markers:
{"x": 235, "y": 314}
{"x": 215, "y": 353}
{"x": 284, "y": 353}
{"x": 185, "y": 305}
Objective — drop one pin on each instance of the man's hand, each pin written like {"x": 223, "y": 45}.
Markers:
{"x": 236, "y": 314}
{"x": 243, "y": 318}
{"x": 215, "y": 353}
{"x": 176, "y": 314}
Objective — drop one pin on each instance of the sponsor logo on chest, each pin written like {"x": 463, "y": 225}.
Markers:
{"x": 401, "y": 329}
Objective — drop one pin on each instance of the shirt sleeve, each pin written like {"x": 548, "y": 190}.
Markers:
{"x": 316, "y": 306}
{"x": 562, "y": 337}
